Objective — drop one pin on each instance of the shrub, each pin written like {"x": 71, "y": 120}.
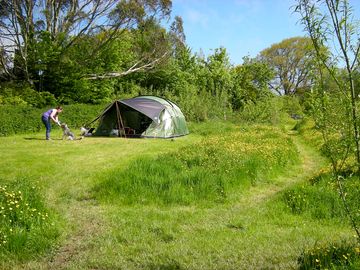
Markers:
{"x": 27, "y": 119}
{"x": 19, "y": 119}
{"x": 263, "y": 111}
{"x": 16, "y": 93}
{"x": 199, "y": 106}
{"x": 78, "y": 115}
{"x": 291, "y": 105}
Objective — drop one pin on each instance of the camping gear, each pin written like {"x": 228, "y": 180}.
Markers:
{"x": 142, "y": 116}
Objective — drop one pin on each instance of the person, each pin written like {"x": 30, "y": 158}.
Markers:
{"x": 49, "y": 115}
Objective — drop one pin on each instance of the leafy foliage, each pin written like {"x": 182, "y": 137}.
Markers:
{"x": 19, "y": 119}
{"x": 12, "y": 93}
{"x": 24, "y": 119}
{"x": 292, "y": 60}
{"x": 251, "y": 81}
{"x": 333, "y": 22}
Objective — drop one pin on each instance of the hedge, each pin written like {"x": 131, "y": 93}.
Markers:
{"x": 24, "y": 119}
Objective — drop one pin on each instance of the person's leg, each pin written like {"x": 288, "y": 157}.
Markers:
{"x": 47, "y": 126}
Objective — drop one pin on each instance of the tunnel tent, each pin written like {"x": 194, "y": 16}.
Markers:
{"x": 143, "y": 116}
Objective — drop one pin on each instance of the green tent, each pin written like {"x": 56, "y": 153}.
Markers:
{"x": 143, "y": 116}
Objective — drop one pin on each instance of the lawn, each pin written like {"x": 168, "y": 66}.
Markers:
{"x": 209, "y": 200}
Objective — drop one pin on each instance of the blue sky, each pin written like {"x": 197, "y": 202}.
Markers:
{"x": 243, "y": 27}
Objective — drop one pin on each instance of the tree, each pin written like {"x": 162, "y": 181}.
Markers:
{"x": 331, "y": 23}
{"x": 251, "y": 80}
{"x": 61, "y": 24}
{"x": 292, "y": 61}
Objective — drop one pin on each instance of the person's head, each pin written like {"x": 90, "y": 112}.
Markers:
{"x": 59, "y": 109}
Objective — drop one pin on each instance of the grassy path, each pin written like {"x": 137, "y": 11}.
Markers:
{"x": 311, "y": 163}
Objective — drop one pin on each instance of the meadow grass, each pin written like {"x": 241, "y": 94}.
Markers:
{"x": 27, "y": 226}
{"x": 252, "y": 227}
{"x": 211, "y": 170}
{"x": 338, "y": 255}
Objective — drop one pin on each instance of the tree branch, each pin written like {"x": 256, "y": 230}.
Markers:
{"x": 134, "y": 68}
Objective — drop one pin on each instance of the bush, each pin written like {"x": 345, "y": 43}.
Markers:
{"x": 291, "y": 105}
{"x": 26, "y": 119}
{"x": 263, "y": 111}
{"x": 12, "y": 93}
{"x": 78, "y": 115}
{"x": 19, "y": 119}
{"x": 199, "y": 106}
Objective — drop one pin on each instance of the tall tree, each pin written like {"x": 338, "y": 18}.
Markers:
{"x": 292, "y": 61}
{"x": 63, "y": 23}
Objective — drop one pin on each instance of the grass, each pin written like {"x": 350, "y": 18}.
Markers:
{"x": 25, "y": 222}
{"x": 251, "y": 229}
{"x": 222, "y": 165}
{"x": 340, "y": 255}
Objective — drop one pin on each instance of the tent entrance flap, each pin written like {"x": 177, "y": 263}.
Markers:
{"x": 135, "y": 122}
{"x": 122, "y": 121}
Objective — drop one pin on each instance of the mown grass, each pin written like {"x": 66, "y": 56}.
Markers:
{"x": 250, "y": 228}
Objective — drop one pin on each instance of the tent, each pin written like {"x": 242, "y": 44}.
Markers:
{"x": 142, "y": 116}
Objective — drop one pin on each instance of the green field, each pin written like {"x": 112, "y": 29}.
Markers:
{"x": 219, "y": 198}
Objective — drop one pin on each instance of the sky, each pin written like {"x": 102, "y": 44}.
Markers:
{"x": 243, "y": 27}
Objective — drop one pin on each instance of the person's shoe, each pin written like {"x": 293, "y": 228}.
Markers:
{"x": 48, "y": 139}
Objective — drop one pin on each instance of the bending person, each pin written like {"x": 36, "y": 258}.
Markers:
{"x": 49, "y": 115}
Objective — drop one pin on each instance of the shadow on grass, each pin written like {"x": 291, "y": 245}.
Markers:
{"x": 39, "y": 139}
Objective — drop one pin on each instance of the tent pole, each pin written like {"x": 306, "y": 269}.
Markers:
{"x": 119, "y": 120}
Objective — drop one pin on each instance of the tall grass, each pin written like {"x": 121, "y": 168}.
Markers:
{"x": 27, "y": 226}
{"x": 340, "y": 255}
{"x": 318, "y": 199}
{"x": 209, "y": 171}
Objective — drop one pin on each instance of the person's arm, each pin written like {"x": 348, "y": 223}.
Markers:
{"x": 54, "y": 117}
